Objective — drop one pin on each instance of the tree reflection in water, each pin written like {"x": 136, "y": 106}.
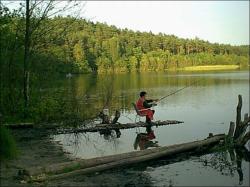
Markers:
{"x": 89, "y": 145}
{"x": 227, "y": 161}
{"x": 110, "y": 134}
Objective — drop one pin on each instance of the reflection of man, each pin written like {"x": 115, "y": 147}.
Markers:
{"x": 143, "y": 140}
{"x": 144, "y": 105}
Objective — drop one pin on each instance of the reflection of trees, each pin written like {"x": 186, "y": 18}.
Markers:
{"x": 107, "y": 90}
{"x": 128, "y": 86}
{"x": 110, "y": 134}
{"x": 86, "y": 95}
{"x": 227, "y": 162}
{"x": 78, "y": 141}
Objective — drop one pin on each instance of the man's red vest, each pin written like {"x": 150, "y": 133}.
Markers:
{"x": 139, "y": 104}
{"x": 144, "y": 111}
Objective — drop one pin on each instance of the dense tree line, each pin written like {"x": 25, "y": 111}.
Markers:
{"x": 91, "y": 47}
{"x": 85, "y": 46}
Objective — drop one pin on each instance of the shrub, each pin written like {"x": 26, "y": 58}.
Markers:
{"x": 8, "y": 149}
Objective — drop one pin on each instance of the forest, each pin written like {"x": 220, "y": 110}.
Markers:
{"x": 68, "y": 44}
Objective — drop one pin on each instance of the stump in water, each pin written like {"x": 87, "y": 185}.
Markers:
{"x": 240, "y": 136}
{"x": 106, "y": 120}
{"x": 231, "y": 129}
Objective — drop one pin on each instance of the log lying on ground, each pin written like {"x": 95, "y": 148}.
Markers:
{"x": 101, "y": 127}
{"x": 76, "y": 167}
{"x": 19, "y": 125}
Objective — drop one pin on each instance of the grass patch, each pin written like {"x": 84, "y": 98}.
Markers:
{"x": 8, "y": 148}
{"x": 210, "y": 67}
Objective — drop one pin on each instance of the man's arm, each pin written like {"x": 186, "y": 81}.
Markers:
{"x": 146, "y": 103}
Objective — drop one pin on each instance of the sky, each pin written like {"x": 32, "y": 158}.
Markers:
{"x": 216, "y": 21}
{"x": 224, "y": 22}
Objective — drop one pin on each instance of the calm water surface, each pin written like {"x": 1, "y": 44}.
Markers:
{"x": 207, "y": 106}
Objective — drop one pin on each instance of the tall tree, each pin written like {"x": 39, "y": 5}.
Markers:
{"x": 26, "y": 55}
{"x": 36, "y": 13}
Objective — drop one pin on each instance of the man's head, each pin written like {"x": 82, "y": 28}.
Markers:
{"x": 143, "y": 94}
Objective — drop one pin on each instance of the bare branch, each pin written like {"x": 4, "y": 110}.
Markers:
{"x": 45, "y": 12}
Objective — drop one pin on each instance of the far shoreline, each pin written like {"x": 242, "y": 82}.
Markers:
{"x": 183, "y": 69}
{"x": 211, "y": 68}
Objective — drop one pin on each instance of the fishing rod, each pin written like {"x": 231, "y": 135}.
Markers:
{"x": 176, "y": 91}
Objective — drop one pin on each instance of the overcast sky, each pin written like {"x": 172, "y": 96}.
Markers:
{"x": 216, "y": 21}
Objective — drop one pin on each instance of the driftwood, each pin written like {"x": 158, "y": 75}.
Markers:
{"x": 231, "y": 129}
{"x": 240, "y": 138}
{"x": 76, "y": 167}
{"x": 107, "y": 125}
{"x": 101, "y": 127}
{"x": 243, "y": 140}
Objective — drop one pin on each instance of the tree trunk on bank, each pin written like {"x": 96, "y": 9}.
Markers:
{"x": 26, "y": 57}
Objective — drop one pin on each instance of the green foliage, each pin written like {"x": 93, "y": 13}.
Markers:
{"x": 8, "y": 149}
{"x": 47, "y": 110}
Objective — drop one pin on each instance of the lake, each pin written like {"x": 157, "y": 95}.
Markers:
{"x": 207, "y": 106}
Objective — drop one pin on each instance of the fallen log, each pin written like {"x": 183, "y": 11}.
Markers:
{"x": 19, "y": 125}
{"x": 101, "y": 127}
{"x": 76, "y": 167}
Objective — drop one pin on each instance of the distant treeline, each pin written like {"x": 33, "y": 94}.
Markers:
{"x": 80, "y": 46}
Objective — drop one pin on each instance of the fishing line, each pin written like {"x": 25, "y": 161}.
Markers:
{"x": 177, "y": 91}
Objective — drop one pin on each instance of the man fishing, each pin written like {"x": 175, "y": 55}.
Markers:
{"x": 143, "y": 105}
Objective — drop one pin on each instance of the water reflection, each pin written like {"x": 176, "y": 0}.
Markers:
{"x": 84, "y": 96}
{"x": 145, "y": 140}
{"x": 107, "y": 142}
{"x": 192, "y": 169}
{"x": 228, "y": 162}
{"x": 110, "y": 134}
{"x": 225, "y": 167}
{"x": 206, "y": 107}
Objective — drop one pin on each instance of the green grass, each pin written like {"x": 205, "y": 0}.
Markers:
{"x": 210, "y": 67}
{"x": 8, "y": 148}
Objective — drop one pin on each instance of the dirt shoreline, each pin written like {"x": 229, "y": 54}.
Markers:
{"x": 35, "y": 148}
